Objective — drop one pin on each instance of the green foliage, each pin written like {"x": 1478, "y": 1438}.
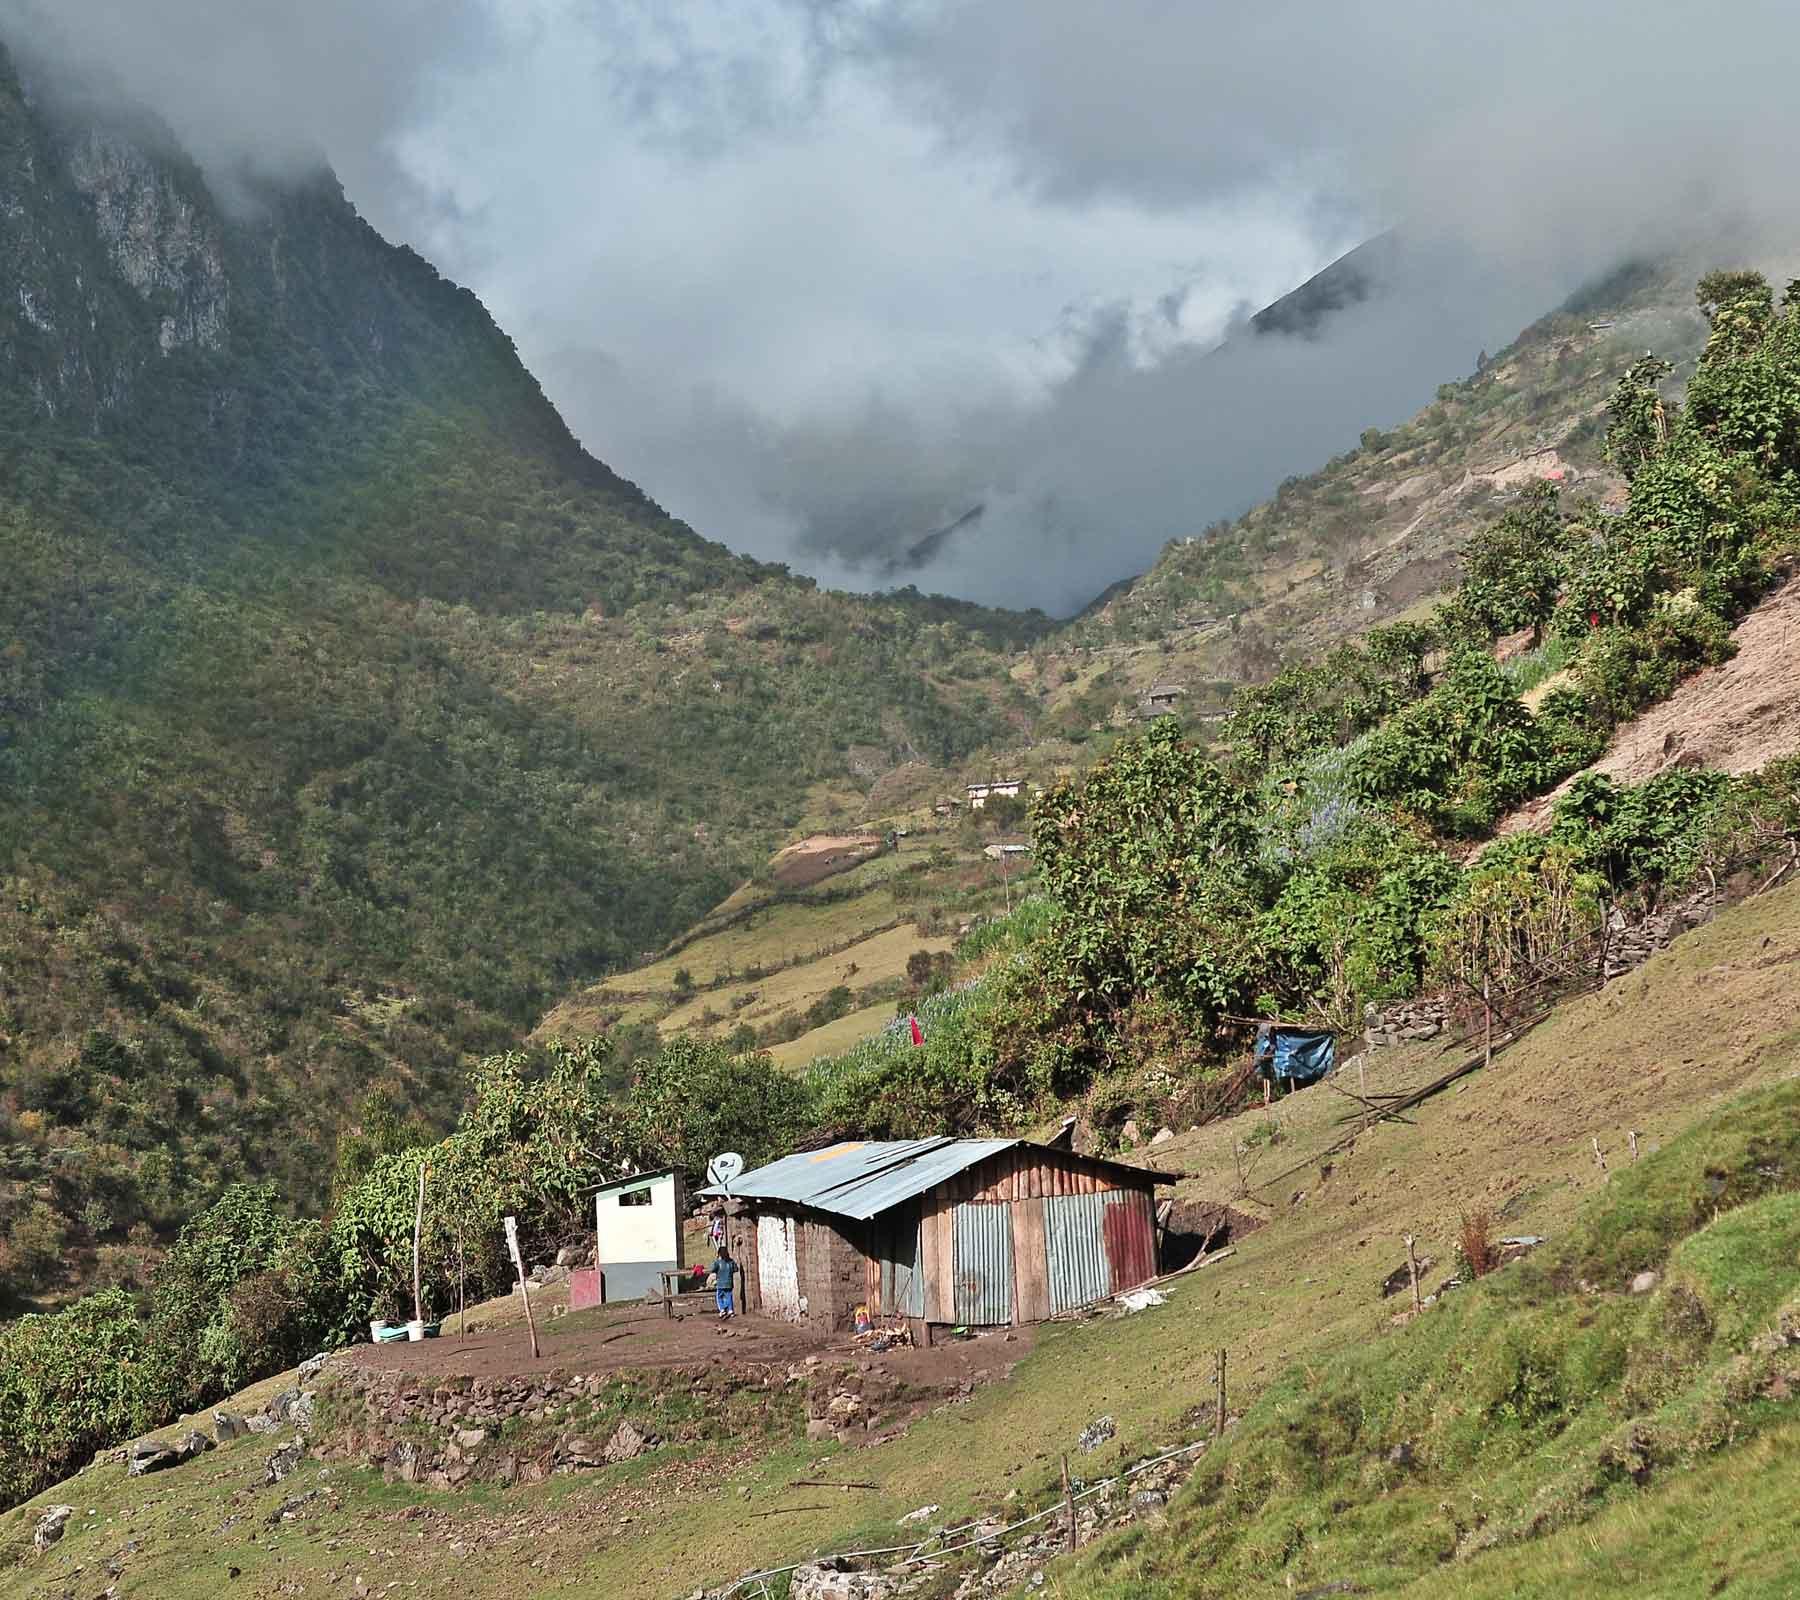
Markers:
{"x": 70, "y": 1384}
{"x": 1513, "y": 569}
{"x": 196, "y": 1347}
{"x": 697, "y": 1098}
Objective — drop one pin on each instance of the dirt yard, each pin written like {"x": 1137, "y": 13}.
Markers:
{"x": 630, "y": 1337}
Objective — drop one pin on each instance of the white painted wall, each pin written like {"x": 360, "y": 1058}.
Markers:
{"x": 639, "y": 1232}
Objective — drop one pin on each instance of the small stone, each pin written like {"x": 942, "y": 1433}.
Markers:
{"x": 1129, "y": 1134}
{"x": 1097, "y": 1432}
{"x": 50, "y": 1526}
{"x": 1644, "y": 1282}
{"x": 1162, "y": 1136}
{"x": 284, "y": 1461}
{"x": 1147, "y": 1500}
{"x": 1401, "y": 1455}
{"x": 470, "y": 1438}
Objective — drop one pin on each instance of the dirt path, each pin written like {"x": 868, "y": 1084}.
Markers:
{"x": 1736, "y": 717}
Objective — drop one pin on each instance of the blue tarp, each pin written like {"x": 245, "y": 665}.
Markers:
{"x": 1294, "y": 1056}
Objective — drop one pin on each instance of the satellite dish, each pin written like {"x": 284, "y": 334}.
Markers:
{"x": 723, "y": 1169}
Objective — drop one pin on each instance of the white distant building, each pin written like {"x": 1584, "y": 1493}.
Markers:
{"x": 1005, "y": 788}
{"x": 637, "y": 1226}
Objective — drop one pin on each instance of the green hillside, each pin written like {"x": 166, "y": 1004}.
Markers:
{"x": 349, "y": 712}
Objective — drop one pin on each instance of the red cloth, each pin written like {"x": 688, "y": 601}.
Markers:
{"x": 918, "y": 1037}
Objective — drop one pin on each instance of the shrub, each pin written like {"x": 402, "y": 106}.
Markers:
{"x": 70, "y": 1384}
{"x": 1475, "y": 1252}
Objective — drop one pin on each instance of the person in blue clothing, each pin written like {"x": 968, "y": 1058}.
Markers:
{"x": 725, "y": 1276}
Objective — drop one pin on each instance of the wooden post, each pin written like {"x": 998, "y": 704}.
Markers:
{"x": 1069, "y": 1501}
{"x": 1632, "y": 1137}
{"x": 1487, "y": 1010}
{"x": 1412, "y": 1268}
{"x": 512, "y": 1244}
{"x": 1362, "y": 1077}
{"x": 1605, "y": 936}
{"x": 1599, "y": 1156}
{"x": 418, "y": 1227}
{"x": 1219, "y": 1399}
{"x": 462, "y": 1288}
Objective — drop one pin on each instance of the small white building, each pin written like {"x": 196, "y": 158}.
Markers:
{"x": 637, "y": 1227}
{"x": 1003, "y": 788}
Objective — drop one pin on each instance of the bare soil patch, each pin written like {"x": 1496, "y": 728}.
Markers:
{"x": 822, "y": 856}
{"x": 1737, "y": 717}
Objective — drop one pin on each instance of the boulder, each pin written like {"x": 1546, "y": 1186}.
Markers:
{"x": 309, "y": 1369}
{"x": 570, "y": 1256}
{"x": 50, "y": 1526}
{"x": 150, "y": 1455}
{"x": 470, "y": 1438}
{"x": 284, "y": 1461}
{"x": 818, "y": 1430}
{"x": 192, "y": 1443}
{"x": 628, "y": 1442}
{"x": 1644, "y": 1282}
{"x": 1162, "y": 1136}
{"x": 278, "y": 1409}
{"x": 1147, "y": 1501}
{"x": 580, "y": 1451}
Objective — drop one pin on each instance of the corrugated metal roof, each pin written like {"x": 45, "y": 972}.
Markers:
{"x": 862, "y": 1178}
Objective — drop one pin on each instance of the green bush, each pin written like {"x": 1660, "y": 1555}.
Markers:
{"x": 70, "y": 1384}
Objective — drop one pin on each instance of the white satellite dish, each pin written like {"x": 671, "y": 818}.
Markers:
{"x": 723, "y": 1169}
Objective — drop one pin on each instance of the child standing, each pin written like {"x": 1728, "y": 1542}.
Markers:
{"x": 725, "y": 1272}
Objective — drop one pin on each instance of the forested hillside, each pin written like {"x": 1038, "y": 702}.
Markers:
{"x": 349, "y": 711}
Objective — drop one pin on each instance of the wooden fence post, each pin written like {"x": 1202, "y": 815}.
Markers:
{"x": 512, "y": 1244}
{"x": 1069, "y": 1500}
{"x": 418, "y": 1227}
{"x": 1219, "y": 1414}
{"x": 1412, "y": 1267}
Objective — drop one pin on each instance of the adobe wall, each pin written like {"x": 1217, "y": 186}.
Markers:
{"x": 832, "y": 1275}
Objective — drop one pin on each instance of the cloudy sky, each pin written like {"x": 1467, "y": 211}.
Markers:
{"x": 825, "y": 275}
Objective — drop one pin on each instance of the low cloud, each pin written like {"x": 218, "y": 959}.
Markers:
{"x": 827, "y": 276}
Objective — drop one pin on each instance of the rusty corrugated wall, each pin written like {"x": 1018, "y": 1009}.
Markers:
{"x": 1130, "y": 1233}
{"x": 1075, "y": 1245}
{"x": 984, "y": 1265}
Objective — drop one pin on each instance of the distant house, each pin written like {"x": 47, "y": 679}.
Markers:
{"x": 1002, "y": 788}
{"x": 1160, "y": 701}
{"x": 943, "y": 1232}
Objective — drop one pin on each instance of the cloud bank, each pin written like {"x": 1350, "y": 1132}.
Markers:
{"x": 825, "y": 276}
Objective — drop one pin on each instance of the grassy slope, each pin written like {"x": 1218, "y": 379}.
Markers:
{"x": 1716, "y": 1015}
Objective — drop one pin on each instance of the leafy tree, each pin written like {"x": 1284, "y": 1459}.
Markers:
{"x": 1513, "y": 569}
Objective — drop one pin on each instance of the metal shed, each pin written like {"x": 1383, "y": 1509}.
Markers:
{"x": 975, "y": 1232}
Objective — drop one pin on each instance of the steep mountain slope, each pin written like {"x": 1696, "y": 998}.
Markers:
{"x": 349, "y": 711}
{"x": 1299, "y": 1304}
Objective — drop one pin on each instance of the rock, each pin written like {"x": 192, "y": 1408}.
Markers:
{"x": 1401, "y": 1455}
{"x": 924, "y": 1513}
{"x": 834, "y": 1580}
{"x": 192, "y": 1443}
{"x": 1097, "y": 1432}
{"x": 552, "y": 1275}
{"x": 150, "y": 1455}
{"x": 300, "y": 1412}
{"x": 1162, "y": 1136}
{"x": 228, "y": 1425}
{"x": 628, "y": 1442}
{"x": 309, "y": 1369}
{"x": 1644, "y": 1282}
{"x": 579, "y": 1451}
{"x": 470, "y": 1438}
{"x": 1129, "y": 1135}
{"x": 50, "y": 1526}
{"x": 844, "y": 1409}
{"x": 1401, "y": 1277}
{"x": 283, "y": 1462}
{"x": 570, "y": 1256}
{"x": 818, "y": 1430}
{"x": 1148, "y": 1500}
{"x": 260, "y": 1423}
{"x": 278, "y": 1409}
{"x": 1422, "y": 1030}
